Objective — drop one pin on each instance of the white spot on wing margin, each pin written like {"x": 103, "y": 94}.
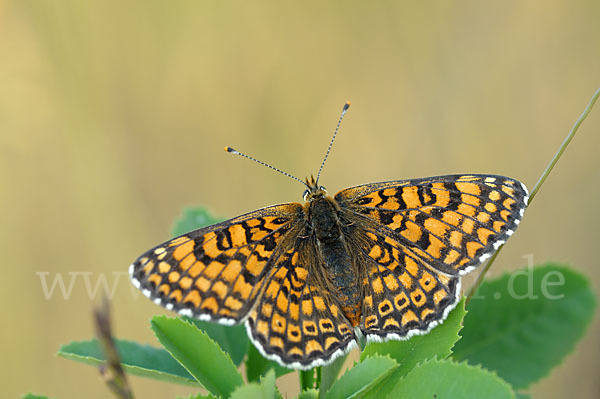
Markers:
{"x": 169, "y": 306}
{"x": 297, "y": 365}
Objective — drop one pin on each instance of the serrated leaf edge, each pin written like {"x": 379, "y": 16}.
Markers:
{"x": 461, "y": 363}
{"x": 371, "y": 384}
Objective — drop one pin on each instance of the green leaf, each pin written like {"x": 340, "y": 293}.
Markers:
{"x": 264, "y": 390}
{"x": 444, "y": 379}
{"x": 199, "y": 396}
{"x": 33, "y": 396}
{"x": 232, "y": 339}
{"x": 362, "y": 377}
{"x": 436, "y": 344}
{"x": 523, "y": 324}
{"x": 141, "y": 360}
{"x": 209, "y": 365}
{"x": 257, "y": 365}
{"x": 330, "y": 373}
{"x": 309, "y": 394}
{"x": 192, "y": 219}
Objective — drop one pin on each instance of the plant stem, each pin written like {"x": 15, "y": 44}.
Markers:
{"x": 563, "y": 146}
{"x": 111, "y": 371}
{"x": 307, "y": 379}
{"x": 318, "y": 382}
{"x": 538, "y": 185}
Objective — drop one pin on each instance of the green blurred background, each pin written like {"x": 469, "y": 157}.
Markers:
{"x": 114, "y": 114}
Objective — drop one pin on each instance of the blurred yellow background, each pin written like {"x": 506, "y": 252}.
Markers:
{"x": 114, "y": 114}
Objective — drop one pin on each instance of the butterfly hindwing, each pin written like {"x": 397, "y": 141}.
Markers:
{"x": 215, "y": 273}
{"x": 296, "y": 322}
{"x": 452, "y": 223}
{"x": 403, "y": 296}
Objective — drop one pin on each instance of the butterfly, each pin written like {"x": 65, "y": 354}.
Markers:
{"x": 381, "y": 260}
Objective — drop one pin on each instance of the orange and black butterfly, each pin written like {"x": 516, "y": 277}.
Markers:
{"x": 383, "y": 260}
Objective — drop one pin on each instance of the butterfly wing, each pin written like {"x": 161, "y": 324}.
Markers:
{"x": 452, "y": 223}
{"x": 403, "y": 295}
{"x": 216, "y": 272}
{"x": 417, "y": 237}
{"x": 296, "y": 321}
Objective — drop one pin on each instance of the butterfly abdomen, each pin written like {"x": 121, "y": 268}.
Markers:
{"x": 334, "y": 250}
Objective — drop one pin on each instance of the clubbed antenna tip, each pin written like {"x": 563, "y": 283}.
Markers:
{"x": 346, "y": 106}
{"x": 236, "y": 152}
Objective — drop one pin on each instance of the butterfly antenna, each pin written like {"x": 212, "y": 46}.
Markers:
{"x": 235, "y": 152}
{"x": 346, "y": 106}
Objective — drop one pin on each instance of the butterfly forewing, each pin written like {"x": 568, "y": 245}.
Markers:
{"x": 216, "y": 272}
{"x": 452, "y": 223}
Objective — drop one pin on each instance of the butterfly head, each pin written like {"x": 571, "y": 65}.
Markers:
{"x": 314, "y": 190}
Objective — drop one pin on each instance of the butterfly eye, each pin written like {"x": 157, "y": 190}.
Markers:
{"x": 306, "y": 192}
{"x": 322, "y": 188}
